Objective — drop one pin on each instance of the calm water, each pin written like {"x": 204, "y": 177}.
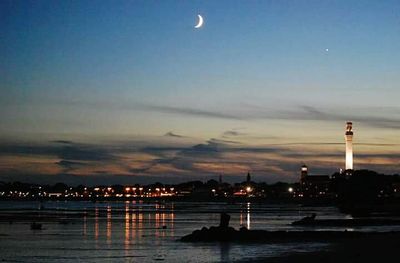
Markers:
{"x": 133, "y": 231}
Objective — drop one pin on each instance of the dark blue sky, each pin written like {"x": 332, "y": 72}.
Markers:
{"x": 267, "y": 72}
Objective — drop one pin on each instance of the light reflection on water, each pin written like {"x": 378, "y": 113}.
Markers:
{"x": 245, "y": 216}
{"x": 136, "y": 231}
{"x": 248, "y": 215}
{"x": 109, "y": 217}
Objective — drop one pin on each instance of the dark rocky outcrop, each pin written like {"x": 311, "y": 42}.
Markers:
{"x": 224, "y": 233}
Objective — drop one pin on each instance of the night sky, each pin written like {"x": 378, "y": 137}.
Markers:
{"x": 129, "y": 91}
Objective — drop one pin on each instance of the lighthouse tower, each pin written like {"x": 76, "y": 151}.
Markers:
{"x": 349, "y": 145}
{"x": 304, "y": 173}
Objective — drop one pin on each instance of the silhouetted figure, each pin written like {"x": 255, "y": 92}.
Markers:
{"x": 224, "y": 221}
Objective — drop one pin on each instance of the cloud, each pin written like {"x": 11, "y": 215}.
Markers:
{"x": 380, "y": 117}
{"x": 84, "y": 153}
{"x": 190, "y": 112}
{"x": 232, "y": 133}
{"x": 221, "y": 141}
{"x": 184, "y": 158}
{"x": 70, "y": 156}
{"x": 62, "y": 142}
{"x": 119, "y": 161}
{"x": 69, "y": 151}
{"x": 216, "y": 155}
{"x": 312, "y": 113}
{"x": 174, "y": 135}
{"x": 69, "y": 165}
{"x": 300, "y": 112}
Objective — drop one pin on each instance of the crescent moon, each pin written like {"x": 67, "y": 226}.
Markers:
{"x": 200, "y": 23}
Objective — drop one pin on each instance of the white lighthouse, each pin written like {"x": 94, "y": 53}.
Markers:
{"x": 349, "y": 145}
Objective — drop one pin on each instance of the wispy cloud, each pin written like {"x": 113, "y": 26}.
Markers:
{"x": 233, "y": 133}
{"x": 300, "y": 112}
{"x": 174, "y": 135}
{"x": 63, "y": 141}
{"x": 69, "y": 166}
{"x": 190, "y": 112}
{"x": 69, "y": 151}
{"x": 379, "y": 117}
{"x": 313, "y": 113}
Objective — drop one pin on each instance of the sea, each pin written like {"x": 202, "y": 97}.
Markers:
{"x": 141, "y": 231}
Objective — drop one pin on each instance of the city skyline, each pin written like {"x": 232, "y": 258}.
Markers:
{"x": 131, "y": 91}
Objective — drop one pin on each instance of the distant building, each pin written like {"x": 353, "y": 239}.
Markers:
{"x": 246, "y": 188}
{"x": 248, "y": 179}
{"x": 349, "y": 146}
{"x": 304, "y": 172}
{"x": 313, "y": 185}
